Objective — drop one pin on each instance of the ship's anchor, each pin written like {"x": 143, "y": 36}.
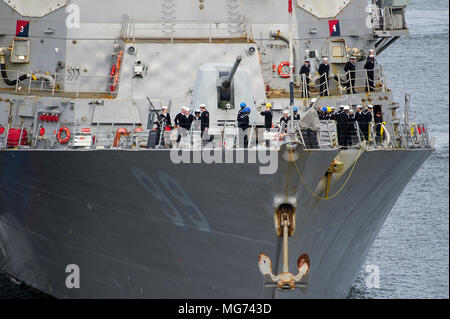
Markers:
{"x": 285, "y": 226}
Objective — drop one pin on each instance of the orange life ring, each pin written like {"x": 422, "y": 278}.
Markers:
{"x": 280, "y": 70}
{"x": 67, "y": 138}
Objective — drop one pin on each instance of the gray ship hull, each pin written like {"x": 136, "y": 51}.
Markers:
{"x": 139, "y": 226}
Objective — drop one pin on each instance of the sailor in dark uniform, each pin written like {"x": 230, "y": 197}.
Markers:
{"x": 365, "y": 122}
{"x": 204, "y": 118}
{"x": 179, "y": 122}
{"x": 179, "y": 118}
{"x": 371, "y": 52}
{"x": 368, "y": 117}
{"x": 378, "y": 119}
{"x": 342, "y": 122}
{"x": 320, "y": 112}
{"x": 296, "y": 114}
{"x": 369, "y": 67}
{"x": 188, "y": 119}
{"x": 330, "y": 113}
{"x": 164, "y": 117}
{"x": 305, "y": 69}
{"x": 243, "y": 106}
{"x": 243, "y": 125}
{"x": 359, "y": 118}
{"x": 350, "y": 68}
{"x": 268, "y": 116}
{"x": 351, "y": 127}
{"x": 196, "y": 124}
{"x": 284, "y": 121}
{"x": 324, "y": 72}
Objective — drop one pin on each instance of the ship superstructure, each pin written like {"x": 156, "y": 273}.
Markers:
{"x": 88, "y": 177}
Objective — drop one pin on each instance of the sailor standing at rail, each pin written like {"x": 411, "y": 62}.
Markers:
{"x": 369, "y": 67}
{"x": 179, "y": 117}
{"x": 243, "y": 106}
{"x": 243, "y": 125}
{"x": 342, "y": 121}
{"x": 179, "y": 122}
{"x": 350, "y": 68}
{"x": 165, "y": 117}
{"x": 324, "y": 72}
{"x": 284, "y": 121}
{"x": 268, "y": 116}
{"x": 359, "y": 118}
{"x": 320, "y": 112}
{"x": 305, "y": 69}
{"x": 366, "y": 121}
{"x": 371, "y": 52}
{"x": 204, "y": 119}
{"x": 196, "y": 124}
{"x": 189, "y": 118}
{"x": 378, "y": 122}
{"x": 331, "y": 114}
{"x": 296, "y": 114}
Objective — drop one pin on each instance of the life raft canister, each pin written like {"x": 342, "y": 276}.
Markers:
{"x": 61, "y": 132}
{"x": 115, "y": 72}
{"x": 280, "y": 70}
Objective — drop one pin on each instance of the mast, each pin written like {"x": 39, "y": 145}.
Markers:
{"x": 291, "y": 67}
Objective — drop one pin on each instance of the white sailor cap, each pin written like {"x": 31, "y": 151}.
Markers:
{"x": 341, "y": 106}
{"x": 198, "y": 111}
{"x": 325, "y": 59}
{"x": 351, "y": 111}
{"x": 202, "y": 105}
{"x": 359, "y": 107}
{"x": 187, "y": 109}
{"x": 352, "y": 57}
{"x": 371, "y": 50}
{"x": 370, "y": 106}
{"x": 286, "y": 112}
{"x": 164, "y": 107}
{"x": 346, "y": 107}
{"x": 306, "y": 61}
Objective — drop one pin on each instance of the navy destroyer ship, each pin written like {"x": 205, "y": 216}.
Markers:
{"x": 94, "y": 184}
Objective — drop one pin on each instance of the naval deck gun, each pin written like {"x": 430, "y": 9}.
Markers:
{"x": 225, "y": 94}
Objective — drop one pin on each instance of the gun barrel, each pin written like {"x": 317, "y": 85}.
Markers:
{"x": 228, "y": 81}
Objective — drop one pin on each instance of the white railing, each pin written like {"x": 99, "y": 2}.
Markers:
{"x": 225, "y": 135}
{"x": 337, "y": 84}
{"x": 184, "y": 29}
{"x": 61, "y": 84}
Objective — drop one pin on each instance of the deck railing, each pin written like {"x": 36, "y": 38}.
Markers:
{"x": 71, "y": 85}
{"x": 172, "y": 30}
{"x": 223, "y": 135}
{"x": 337, "y": 84}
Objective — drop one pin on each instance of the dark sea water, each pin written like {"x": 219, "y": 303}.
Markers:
{"x": 412, "y": 249}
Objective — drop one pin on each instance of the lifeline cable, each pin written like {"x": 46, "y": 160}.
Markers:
{"x": 340, "y": 189}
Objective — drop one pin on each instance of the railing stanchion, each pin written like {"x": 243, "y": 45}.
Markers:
{"x": 29, "y": 83}
{"x": 17, "y": 81}
{"x": 20, "y": 136}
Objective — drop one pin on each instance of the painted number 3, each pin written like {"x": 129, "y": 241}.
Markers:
{"x": 193, "y": 213}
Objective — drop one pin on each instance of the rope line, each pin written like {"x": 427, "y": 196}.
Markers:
{"x": 340, "y": 189}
